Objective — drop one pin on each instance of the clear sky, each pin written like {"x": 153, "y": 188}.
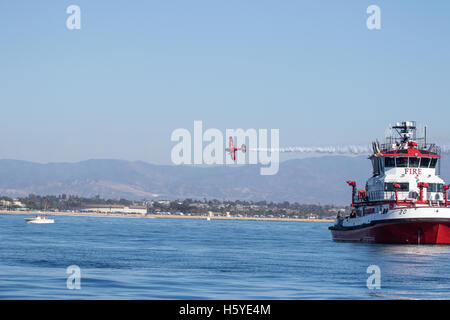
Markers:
{"x": 137, "y": 70}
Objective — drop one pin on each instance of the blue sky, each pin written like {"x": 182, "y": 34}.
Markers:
{"x": 137, "y": 70}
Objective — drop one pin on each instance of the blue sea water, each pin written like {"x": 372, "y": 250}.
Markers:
{"x": 142, "y": 258}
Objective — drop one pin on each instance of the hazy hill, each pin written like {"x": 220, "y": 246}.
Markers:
{"x": 311, "y": 180}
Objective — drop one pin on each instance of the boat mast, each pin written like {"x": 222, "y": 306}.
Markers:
{"x": 425, "y": 136}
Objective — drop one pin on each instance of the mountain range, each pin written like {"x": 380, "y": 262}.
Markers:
{"x": 309, "y": 180}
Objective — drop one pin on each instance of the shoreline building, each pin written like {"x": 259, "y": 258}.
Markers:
{"x": 114, "y": 208}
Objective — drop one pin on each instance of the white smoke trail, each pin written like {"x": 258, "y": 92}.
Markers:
{"x": 350, "y": 149}
{"x": 445, "y": 149}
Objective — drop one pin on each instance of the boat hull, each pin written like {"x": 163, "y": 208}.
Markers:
{"x": 412, "y": 231}
{"x": 49, "y": 221}
{"x": 39, "y": 221}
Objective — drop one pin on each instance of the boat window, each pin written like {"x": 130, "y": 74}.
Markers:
{"x": 424, "y": 162}
{"x": 402, "y": 151}
{"x": 435, "y": 187}
{"x": 402, "y": 162}
{"x": 376, "y": 166}
{"x": 413, "y": 162}
{"x": 389, "y": 186}
{"x": 389, "y": 162}
{"x": 379, "y": 165}
{"x": 433, "y": 163}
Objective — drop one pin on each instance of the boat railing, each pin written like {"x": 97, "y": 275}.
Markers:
{"x": 381, "y": 195}
{"x": 432, "y": 147}
{"x": 402, "y": 195}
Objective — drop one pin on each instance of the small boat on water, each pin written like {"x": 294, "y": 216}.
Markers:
{"x": 39, "y": 220}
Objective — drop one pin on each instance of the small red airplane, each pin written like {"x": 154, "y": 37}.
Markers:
{"x": 232, "y": 150}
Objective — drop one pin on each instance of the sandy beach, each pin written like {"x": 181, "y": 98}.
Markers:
{"x": 93, "y": 214}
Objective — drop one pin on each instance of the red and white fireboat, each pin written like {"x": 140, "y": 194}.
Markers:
{"x": 405, "y": 201}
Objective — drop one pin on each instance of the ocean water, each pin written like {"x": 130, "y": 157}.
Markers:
{"x": 142, "y": 258}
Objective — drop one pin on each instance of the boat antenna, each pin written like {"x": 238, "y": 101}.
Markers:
{"x": 425, "y": 135}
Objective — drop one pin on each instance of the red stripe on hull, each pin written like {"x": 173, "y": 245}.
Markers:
{"x": 422, "y": 232}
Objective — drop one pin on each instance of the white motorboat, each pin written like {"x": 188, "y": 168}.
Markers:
{"x": 39, "y": 220}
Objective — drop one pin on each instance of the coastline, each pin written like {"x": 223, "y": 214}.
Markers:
{"x": 93, "y": 214}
